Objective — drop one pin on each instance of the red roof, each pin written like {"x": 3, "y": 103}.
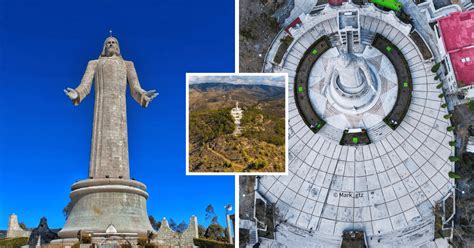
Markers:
{"x": 463, "y": 63}
{"x": 457, "y": 31}
{"x": 293, "y": 24}
{"x": 336, "y": 2}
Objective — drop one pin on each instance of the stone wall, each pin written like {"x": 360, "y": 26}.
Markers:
{"x": 166, "y": 236}
{"x": 14, "y": 229}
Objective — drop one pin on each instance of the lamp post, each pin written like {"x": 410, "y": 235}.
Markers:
{"x": 462, "y": 191}
{"x": 228, "y": 208}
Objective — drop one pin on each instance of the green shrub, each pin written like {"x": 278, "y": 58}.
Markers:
{"x": 274, "y": 134}
{"x": 207, "y": 243}
{"x": 451, "y": 174}
{"x": 287, "y": 40}
{"x": 440, "y": 85}
{"x": 454, "y": 158}
{"x": 151, "y": 246}
{"x": 441, "y": 95}
{"x": 206, "y": 126}
{"x": 470, "y": 105}
{"x": 13, "y": 242}
{"x": 86, "y": 238}
{"x": 247, "y": 33}
{"x": 447, "y": 116}
{"x": 435, "y": 67}
{"x": 452, "y": 143}
{"x": 450, "y": 128}
{"x": 468, "y": 158}
{"x": 142, "y": 240}
{"x": 444, "y": 105}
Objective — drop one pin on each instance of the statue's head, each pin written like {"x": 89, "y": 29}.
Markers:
{"x": 111, "y": 47}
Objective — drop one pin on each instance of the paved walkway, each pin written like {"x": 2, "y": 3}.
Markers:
{"x": 387, "y": 188}
{"x": 421, "y": 25}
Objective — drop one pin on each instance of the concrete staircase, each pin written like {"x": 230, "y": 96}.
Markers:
{"x": 317, "y": 8}
{"x": 253, "y": 236}
{"x": 334, "y": 39}
{"x": 468, "y": 6}
{"x": 367, "y": 37}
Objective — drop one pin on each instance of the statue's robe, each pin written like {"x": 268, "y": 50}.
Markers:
{"x": 109, "y": 149}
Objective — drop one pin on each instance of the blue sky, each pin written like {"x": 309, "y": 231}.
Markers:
{"x": 45, "y": 140}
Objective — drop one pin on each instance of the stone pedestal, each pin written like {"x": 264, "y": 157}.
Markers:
{"x": 98, "y": 203}
{"x": 109, "y": 197}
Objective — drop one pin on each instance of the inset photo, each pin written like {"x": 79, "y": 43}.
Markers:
{"x": 236, "y": 123}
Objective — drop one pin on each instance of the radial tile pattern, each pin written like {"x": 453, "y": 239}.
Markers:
{"x": 387, "y": 188}
{"x": 386, "y": 79}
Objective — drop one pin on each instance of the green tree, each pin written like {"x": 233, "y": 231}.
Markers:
{"x": 470, "y": 105}
{"x": 173, "y": 224}
{"x": 23, "y": 226}
{"x": 452, "y": 174}
{"x": 67, "y": 209}
{"x": 435, "y": 67}
{"x": 155, "y": 224}
{"x": 454, "y": 158}
{"x": 182, "y": 227}
{"x": 211, "y": 214}
{"x": 215, "y": 232}
{"x": 206, "y": 126}
{"x": 468, "y": 158}
{"x": 201, "y": 231}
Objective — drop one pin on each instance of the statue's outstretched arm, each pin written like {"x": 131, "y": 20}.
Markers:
{"x": 140, "y": 95}
{"x": 84, "y": 88}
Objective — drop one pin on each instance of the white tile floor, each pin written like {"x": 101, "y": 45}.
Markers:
{"x": 386, "y": 188}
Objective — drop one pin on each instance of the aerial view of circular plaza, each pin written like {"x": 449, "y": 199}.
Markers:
{"x": 370, "y": 159}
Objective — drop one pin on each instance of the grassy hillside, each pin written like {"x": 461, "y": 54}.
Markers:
{"x": 213, "y": 147}
{"x": 208, "y": 125}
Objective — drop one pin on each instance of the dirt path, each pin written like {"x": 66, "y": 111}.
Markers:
{"x": 237, "y": 166}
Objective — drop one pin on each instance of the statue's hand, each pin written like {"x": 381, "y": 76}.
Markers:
{"x": 150, "y": 95}
{"x": 71, "y": 93}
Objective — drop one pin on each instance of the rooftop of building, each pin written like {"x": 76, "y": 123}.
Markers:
{"x": 457, "y": 31}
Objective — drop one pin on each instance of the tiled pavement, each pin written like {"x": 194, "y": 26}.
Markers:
{"x": 386, "y": 188}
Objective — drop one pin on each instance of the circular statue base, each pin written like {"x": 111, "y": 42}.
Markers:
{"x": 98, "y": 203}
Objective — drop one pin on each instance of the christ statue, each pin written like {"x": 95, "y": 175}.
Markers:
{"x": 110, "y": 73}
{"x": 351, "y": 73}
